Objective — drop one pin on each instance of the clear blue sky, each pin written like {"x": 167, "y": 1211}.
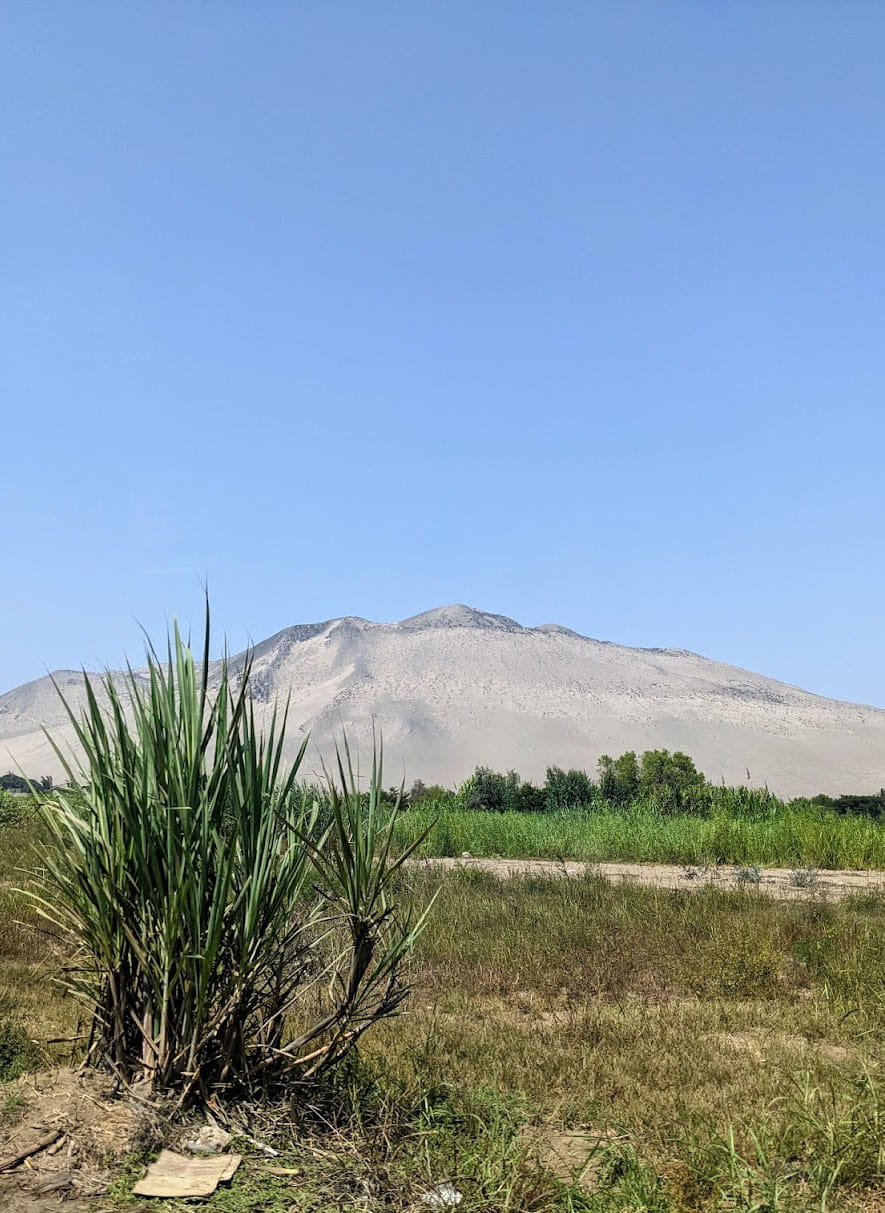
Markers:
{"x": 571, "y": 311}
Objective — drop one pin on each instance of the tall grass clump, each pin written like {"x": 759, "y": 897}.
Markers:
{"x": 225, "y": 929}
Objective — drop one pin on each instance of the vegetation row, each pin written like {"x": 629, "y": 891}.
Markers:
{"x": 658, "y": 781}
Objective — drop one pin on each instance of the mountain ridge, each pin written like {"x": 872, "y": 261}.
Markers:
{"x": 456, "y": 687}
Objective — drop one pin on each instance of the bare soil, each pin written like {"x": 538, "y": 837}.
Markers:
{"x": 17, "y": 1197}
{"x": 775, "y": 882}
{"x": 96, "y": 1130}
{"x": 569, "y": 1155}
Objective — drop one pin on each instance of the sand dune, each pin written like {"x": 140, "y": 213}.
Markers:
{"x": 456, "y": 687}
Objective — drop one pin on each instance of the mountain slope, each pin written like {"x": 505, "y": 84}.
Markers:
{"x": 456, "y": 687}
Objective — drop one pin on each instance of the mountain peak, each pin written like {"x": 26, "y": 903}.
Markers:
{"x": 457, "y": 615}
{"x": 456, "y": 687}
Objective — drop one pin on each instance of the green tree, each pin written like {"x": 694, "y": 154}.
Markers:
{"x": 422, "y": 793}
{"x": 619, "y": 777}
{"x": 491, "y": 791}
{"x": 529, "y": 799}
{"x": 417, "y": 792}
{"x": 568, "y": 789}
{"x": 671, "y": 779}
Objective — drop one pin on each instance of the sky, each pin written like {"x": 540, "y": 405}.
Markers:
{"x": 573, "y": 312}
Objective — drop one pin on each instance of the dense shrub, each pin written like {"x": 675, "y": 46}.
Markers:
{"x": 619, "y": 778}
{"x": 18, "y": 1052}
{"x": 567, "y": 789}
{"x": 14, "y": 783}
{"x": 753, "y": 804}
{"x": 10, "y": 809}
{"x": 672, "y": 780}
{"x": 490, "y": 791}
{"x": 422, "y": 793}
{"x": 862, "y": 806}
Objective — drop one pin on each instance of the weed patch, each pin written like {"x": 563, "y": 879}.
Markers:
{"x": 17, "y": 1051}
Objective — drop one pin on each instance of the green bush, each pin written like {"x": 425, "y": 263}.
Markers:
{"x": 658, "y": 782}
{"x": 10, "y": 809}
{"x": 14, "y": 783}
{"x": 619, "y": 778}
{"x": 490, "y": 791}
{"x": 18, "y": 1053}
{"x": 567, "y": 789}
{"x": 421, "y": 794}
{"x": 864, "y": 806}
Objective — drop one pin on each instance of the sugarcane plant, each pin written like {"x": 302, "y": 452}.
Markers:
{"x": 225, "y": 925}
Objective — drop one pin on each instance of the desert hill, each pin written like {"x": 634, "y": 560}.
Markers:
{"x": 457, "y": 687}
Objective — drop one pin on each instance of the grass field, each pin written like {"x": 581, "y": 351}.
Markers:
{"x": 725, "y": 1051}
{"x": 794, "y": 837}
{"x": 574, "y": 1046}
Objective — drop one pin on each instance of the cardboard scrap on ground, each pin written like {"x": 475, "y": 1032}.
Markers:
{"x": 175, "y": 1175}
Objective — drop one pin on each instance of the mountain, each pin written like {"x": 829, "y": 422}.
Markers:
{"x": 455, "y": 687}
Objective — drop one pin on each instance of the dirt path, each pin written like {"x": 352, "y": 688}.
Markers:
{"x": 782, "y": 883}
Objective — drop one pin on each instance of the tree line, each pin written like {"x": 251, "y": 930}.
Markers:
{"x": 668, "y": 782}
{"x": 663, "y": 780}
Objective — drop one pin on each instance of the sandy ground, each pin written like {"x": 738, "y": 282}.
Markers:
{"x": 776, "y": 882}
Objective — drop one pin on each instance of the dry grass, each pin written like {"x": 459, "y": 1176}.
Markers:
{"x": 29, "y": 959}
{"x": 719, "y": 1050}
{"x": 674, "y": 1022}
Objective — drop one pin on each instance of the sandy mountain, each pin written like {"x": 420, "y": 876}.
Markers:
{"x": 456, "y": 687}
